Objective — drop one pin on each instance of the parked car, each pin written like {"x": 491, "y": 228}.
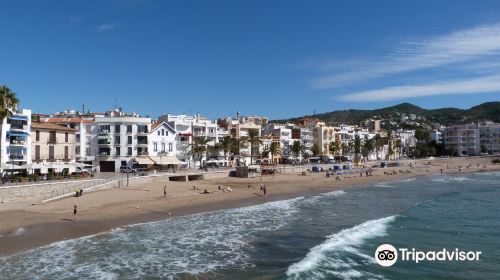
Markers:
{"x": 127, "y": 169}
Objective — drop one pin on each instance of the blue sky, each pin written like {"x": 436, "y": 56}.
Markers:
{"x": 273, "y": 58}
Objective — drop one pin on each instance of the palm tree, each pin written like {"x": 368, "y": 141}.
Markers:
{"x": 274, "y": 150}
{"x": 334, "y": 147}
{"x": 199, "y": 147}
{"x": 379, "y": 143}
{"x": 8, "y": 103}
{"x": 357, "y": 147}
{"x": 398, "y": 145}
{"x": 389, "y": 139}
{"x": 345, "y": 149}
{"x": 368, "y": 147}
{"x": 315, "y": 150}
{"x": 253, "y": 138}
{"x": 226, "y": 144}
{"x": 297, "y": 148}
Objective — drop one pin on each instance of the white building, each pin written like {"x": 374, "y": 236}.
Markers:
{"x": 187, "y": 128}
{"x": 122, "y": 140}
{"x": 16, "y": 142}
{"x": 162, "y": 145}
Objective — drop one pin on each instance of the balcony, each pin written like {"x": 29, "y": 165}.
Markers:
{"x": 52, "y": 141}
{"x": 20, "y": 142}
{"x": 101, "y": 142}
{"x": 18, "y": 157}
{"x": 18, "y": 127}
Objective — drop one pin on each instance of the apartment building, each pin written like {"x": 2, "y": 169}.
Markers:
{"x": 52, "y": 147}
{"x": 122, "y": 140}
{"x": 489, "y": 137}
{"x": 85, "y": 137}
{"x": 371, "y": 124}
{"x": 16, "y": 142}
{"x": 462, "y": 139}
{"x": 162, "y": 145}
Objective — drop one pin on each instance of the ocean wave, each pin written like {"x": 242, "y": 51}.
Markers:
{"x": 385, "y": 185}
{"x": 328, "y": 258}
{"x": 190, "y": 245}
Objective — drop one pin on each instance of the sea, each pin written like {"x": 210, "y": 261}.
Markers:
{"x": 326, "y": 236}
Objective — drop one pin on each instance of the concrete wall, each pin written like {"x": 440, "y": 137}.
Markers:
{"x": 36, "y": 192}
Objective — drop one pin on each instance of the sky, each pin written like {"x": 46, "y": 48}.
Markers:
{"x": 274, "y": 58}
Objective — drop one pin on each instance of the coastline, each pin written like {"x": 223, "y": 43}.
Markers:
{"x": 103, "y": 211}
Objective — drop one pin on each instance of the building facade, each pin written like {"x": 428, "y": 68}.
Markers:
{"x": 16, "y": 142}
{"x": 121, "y": 140}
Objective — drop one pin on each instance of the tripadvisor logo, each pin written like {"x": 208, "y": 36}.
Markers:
{"x": 387, "y": 255}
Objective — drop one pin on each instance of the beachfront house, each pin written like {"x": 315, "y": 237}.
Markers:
{"x": 52, "y": 148}
{"x": 187, "y": 128}
{"x": 162, "y": 146}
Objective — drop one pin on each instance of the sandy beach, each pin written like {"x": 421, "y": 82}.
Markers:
{"x": 26, "y": 226}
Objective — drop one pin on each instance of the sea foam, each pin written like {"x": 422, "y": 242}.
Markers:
{"x": 328, "y": 254}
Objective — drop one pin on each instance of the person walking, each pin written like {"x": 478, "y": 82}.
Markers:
{"x": 165, "y": 192}
{"x": 75, "y": 211}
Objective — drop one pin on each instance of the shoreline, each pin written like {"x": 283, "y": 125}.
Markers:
{"x": 49, "y": 223}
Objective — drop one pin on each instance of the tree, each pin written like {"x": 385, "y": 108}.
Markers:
{"x": 422, "y": 134}
{"x": 199, "y": 147}
{"x": 253, "y": 139}
{"x": 379, "y": 143}
{"x": 334, "y": 147}
{"x": 389, "y": 139}
{"x": 357, "y": 147}
{"x": 274, "y": 150}
{"x": 345, "y": 149}
{"x": 213, "y": 151}
{"x": 315, "y": 150}
{"x": 8, "y": 103}
{"x": 367, "y": 148}
{"x": 226, "y": 143}
{"x": 297, "y": 148}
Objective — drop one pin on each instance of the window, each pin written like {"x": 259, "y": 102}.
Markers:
{"x": 37, "y": 152}
{"x": 88, "y": 128}
{"x": 37, "y": 135}
{"x": 104, "y": 129}
{"x": 87, "y": 151}
{"x": 155, "y": 146}
{"x": 117, "y": 140}
{"x": 117, "y": 151}
{"x": 170, "y": 147}
{"x": 163, "y": 132}
{"x": 129, "y": 128}
{"x": 52, "y": 137}
{"x": 117, "y": 128}
{"x": 166, "y": 132}
{"x": 66, "y": 137}
{"x": 66, "y": 152}
{"x": 158, "y": 133}
{"x": 129, "y": 140}
{"x": 162, "y": 147}
{"x": 51, "y": 152}
{"x": 129, "y": 151}
{"x": 77, "y": 150}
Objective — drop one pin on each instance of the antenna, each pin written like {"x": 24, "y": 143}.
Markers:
{"x": 83, "y": 108}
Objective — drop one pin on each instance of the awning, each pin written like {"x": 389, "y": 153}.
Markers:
{"x": 144, "y": 160}
{"x": 17, "y": 134}
{"x": 165, "y": 160}
{"x": 19, "y": 118}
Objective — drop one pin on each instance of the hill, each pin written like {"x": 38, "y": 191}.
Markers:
{"x": 399, "y": 114}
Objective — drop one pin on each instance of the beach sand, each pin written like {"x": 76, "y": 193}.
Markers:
{"x": 26, "y": 226}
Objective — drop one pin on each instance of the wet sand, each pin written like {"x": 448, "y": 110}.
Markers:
{"x": 26, "y": 226}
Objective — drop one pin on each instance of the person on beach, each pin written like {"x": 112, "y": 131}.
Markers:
{"x": 261, "y": 188}
{"x": 265, "y": 191}
{"x": 75, "y": 212}
{"x": 165, "y": 191}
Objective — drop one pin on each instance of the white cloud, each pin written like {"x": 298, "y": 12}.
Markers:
{"x": 471, "y": 86}
{"x": 106, "y": 27}
{"x": 470, "y": 44}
